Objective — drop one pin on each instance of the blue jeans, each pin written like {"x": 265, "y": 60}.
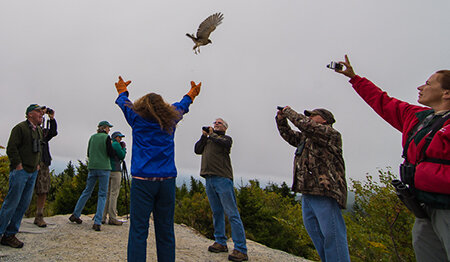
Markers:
{"x": 103, "y": 181}
{"x": 325, "y": 225}
{"x": 222, "y": 200}
{"x": 147, "y": 197}
{"x": 21, "y": 185}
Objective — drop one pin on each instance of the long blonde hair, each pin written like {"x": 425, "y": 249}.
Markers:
{"x": 153, "y": 107}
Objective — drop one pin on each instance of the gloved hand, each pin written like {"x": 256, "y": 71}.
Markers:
{"x": 195, "y": 90}
{"x": 122, "y": 144}
{"x": 121, "y": 86}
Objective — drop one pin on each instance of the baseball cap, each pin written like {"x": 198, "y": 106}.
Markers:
{"x": 117, "y": 134}
{"x": 32, "y": 107}
{"x": 104, "y": 123}
{"x": 324, "y": 113}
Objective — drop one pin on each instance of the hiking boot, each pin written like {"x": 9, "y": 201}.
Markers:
{"x": 39, "y": 221}
{"x": 217, "y": 248}
{"x": 96, "y": 227}
{"x": 237, "y": 256}
{"x": 73, "y": 218}
{"x": 115, "y": 222}
{"x": 11, "y": 241}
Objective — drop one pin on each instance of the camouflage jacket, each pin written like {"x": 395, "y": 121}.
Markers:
{"x": 319, "y": 167}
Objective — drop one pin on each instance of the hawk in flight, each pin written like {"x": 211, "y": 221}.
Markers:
{"x": 204, "y": 30}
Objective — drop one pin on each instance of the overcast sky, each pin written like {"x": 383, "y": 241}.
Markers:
{"x": 67, "y": 54}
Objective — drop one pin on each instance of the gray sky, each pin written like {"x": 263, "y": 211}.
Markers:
{"x": 67, "y": 54}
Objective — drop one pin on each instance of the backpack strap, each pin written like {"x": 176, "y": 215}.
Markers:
{"x": 437, "y": 125}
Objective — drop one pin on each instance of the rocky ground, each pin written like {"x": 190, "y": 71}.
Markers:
{"x": 65, "y": 241}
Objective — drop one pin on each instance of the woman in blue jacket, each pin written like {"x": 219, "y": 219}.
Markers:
{"x": 153, "y": 171}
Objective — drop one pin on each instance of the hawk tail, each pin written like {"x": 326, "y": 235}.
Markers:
{"x": 191, "y": 36}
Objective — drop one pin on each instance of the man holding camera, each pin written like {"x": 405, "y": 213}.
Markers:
{"x": 114, "y": 179}
{"x": 42, "y": 185}
{"x": 319, "y": 175}
{"x": 426, "y": 145}
{"x": 24, "y": 153}
{"x": 215, "y": 147}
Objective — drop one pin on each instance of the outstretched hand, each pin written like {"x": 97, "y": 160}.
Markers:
{"x": 348, "y": 71}
{"x": 195, "y": 90}
{"x": 121, "y": 85}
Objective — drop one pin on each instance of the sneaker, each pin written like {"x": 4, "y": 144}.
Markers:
{"x": 39, "y": 221}
{"x": 96, "y": 227}
{"x": 11, "y": 241}
{"x": 73, "y": 218}
{"x": 237, "y": 256}
{"x": 217, "y": 248}
{"x": 115, "y": 222}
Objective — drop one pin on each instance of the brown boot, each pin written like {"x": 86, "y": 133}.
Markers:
{"x": 96, "y": 227}
{"x": 11, "y": 241}
{"x": 39, "y": 220}
{"x": 75, "y": 219}
{"x": 237, "y": 256}
{"x": 217, "y": 248}
{"x": 115, "y": 222}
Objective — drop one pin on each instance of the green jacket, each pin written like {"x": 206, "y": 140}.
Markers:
{"x": 98, "y": 152}
{"x": 20, "y": 146}
{"x": 119, "y": 156}
{"x": 215, "y": 151}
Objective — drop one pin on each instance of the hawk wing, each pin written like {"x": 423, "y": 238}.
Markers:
{"x": 209, "y": 25}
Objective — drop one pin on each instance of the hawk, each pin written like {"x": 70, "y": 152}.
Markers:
{"x": 204, "y": 30}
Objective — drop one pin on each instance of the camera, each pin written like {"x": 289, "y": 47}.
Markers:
{"x": 280, "y": 107}
{"x": 205, "y": 128}
{"x": 335, "y": 66}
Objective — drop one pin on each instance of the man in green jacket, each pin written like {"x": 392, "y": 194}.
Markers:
{"x": 99, "y": 152}
{"x": 114, "y": 179}
{"x": 215, "y": 147}
{"x": 24, "y": 153}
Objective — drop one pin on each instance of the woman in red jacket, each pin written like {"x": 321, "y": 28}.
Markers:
{"x": 431, "y": 180}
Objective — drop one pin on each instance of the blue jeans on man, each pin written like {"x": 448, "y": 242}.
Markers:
{"x": 323, "y": 220}
{"x": 20, "y": 192}
{"x": 147, "y": 197}
{"x": 220, "y": 192}
{"x": 103, "y": 180}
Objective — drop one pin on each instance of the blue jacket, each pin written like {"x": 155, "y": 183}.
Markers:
{"x": 153, "y": 150}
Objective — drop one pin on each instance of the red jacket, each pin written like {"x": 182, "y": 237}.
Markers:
{"x": 429, "y": 177}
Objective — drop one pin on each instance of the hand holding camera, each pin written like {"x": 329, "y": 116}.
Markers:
{"x": 338, "y": 67}
{"x": 207, "y": 130}
{"x": 280, "y": 114}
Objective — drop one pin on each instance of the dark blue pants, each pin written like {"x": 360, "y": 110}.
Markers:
{"x": 147, "y": 197}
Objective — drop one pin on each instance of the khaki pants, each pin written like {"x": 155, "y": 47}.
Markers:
{"x": 431, "y": 237}
{"x": 113, "y": 194}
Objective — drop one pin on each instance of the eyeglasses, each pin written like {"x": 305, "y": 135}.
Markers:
{"x": 217, "y": 123}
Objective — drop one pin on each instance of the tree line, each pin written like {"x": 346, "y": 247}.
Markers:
{"x": 378, "y": 226}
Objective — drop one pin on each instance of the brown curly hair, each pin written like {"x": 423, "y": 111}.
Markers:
{"x": 153, "y": 107}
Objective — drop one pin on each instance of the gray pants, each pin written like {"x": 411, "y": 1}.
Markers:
{"x": 111, "y": 198}
{"x": 431, "y": 237}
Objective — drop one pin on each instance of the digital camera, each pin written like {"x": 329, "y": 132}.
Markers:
{"x": 335, "y": 66}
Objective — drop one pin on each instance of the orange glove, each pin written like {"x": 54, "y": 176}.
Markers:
{"x": 121, "y": 86}
{"x": 195, "y": 90}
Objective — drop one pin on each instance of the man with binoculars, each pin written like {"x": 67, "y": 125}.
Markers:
{"x": 24, "y": 153}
